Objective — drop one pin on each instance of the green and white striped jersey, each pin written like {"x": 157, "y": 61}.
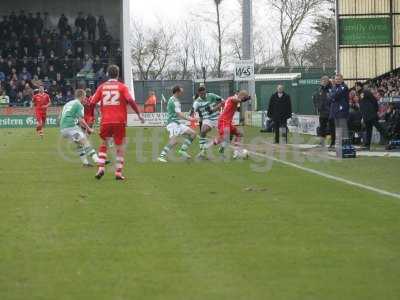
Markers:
{"x": 205, "y": 106}
{"x": 173, "y": 107}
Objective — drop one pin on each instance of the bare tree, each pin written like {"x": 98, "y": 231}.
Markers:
{"x": 264, "y": 55}
{"x": 183, "y": 50}
{"x": 292, "y": 14}
{"x": 215, "y": 18}
{"x": 201, "y": 54}
{"x": 151, "y": 50}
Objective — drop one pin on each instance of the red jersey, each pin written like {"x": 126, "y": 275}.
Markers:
{"x": 41, "y": 101}
{"x": 89, "y": 110}
{"x": 229, "y": 110}
{"x": 113, "y": 97}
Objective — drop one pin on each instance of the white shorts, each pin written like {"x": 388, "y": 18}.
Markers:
{"x": 175, "y": 129}
{"x": 74, "y": 133}
{"x": 210, "y": 123}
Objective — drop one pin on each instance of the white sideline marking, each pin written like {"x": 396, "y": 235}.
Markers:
{"x": 322, "y": 174}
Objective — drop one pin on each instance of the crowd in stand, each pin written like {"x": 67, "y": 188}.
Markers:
{"x": 35, "y": 52}
{"x": 366, "y": 105}
{"x": 387, "y": 86}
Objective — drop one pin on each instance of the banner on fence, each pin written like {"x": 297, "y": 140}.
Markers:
{"x": 13, "y": 121}
{"x": 160, "y": 119}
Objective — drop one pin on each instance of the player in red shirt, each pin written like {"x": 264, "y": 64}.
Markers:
{"x": 41, "y": 102}
{"x": 113, "y": 97}
{"x": 89, "y": 109}
{"x": 226, "y": 129}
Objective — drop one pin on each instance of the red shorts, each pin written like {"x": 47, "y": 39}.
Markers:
{"x": 115, "y": 131}
{"x": 227, "y": 128}
{"x": 41, "y": 117}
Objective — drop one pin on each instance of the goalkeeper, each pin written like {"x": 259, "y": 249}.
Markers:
{"x": 208, "y": 106}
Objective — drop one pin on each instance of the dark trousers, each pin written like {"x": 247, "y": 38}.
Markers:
{"x": 369, "y": 125}
{"x": 277, "y": 125}
{"x": 327, "y": 127}
{"x": 92, "y": 34}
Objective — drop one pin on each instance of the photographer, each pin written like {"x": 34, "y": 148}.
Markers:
{"x": 279, "y": 110}
{"x": 322, "y": 107}
{"x": 369, "y": 111}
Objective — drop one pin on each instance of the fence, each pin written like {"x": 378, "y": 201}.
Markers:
{"x": 163, "y": 88}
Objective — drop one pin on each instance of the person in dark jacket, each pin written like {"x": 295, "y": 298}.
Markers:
{"x": 279, "y": 110}
{"x": 322, "y": 106}
{"x": 369, "y": 110}
{"x": 339, "y": 110}
{"x": 392, "y": 118}
{"x": 355, "y": 118}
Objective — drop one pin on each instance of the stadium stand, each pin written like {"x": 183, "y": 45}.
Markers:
{"x": 386, "y": 90}
{"x": 388, "y": 85}
{"x": 62, "y": 56}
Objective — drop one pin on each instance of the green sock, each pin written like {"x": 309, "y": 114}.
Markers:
{"x": 186, "y": 144}
{"x": 166, "y": 150}
{"x": 203, "y": 143}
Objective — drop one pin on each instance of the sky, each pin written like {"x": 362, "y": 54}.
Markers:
{"x": 150, "y": 11}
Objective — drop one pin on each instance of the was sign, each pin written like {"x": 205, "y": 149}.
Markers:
{"x": 244, "y": 70}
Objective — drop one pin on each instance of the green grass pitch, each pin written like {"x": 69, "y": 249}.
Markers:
{"x": 210, "y": 230}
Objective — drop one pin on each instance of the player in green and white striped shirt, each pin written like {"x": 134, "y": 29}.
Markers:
{"x": 176, "y": 128}
{"x": 73, "y": 115}
{"x": 208, "y": 106}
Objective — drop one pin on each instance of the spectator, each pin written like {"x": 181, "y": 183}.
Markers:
{"x": 69, "y": 96}
{"x": 2, "y": 76}
{"x": 91, "y": 26}
{"x": 4, "y": 99}
{"x": 80, "y": 22}
{"x": 31, "y": 24}
{"x": 322, "y": 105}
{"x": 97, "y": 64}
{"x": 19, "y": 101}
{"x": 58, "y": 99}
{"x": 39, "y": 73}
{"x": 27, "y": 95}
{"x": 279, "y": 111}
{"x": 46, "y": 83}
{"x": 63, "y": 24}
{"x": 79, "y": 53}
{"x": 13, "y": 93}
{"x": 355, "y": 118}
{"x": 339, "y": 110}
{"x": 101, "y": 75}
{"x": 51, "y": 73}
{"x": 78, "y": 65}
{"x": 104, "y": 55}
{"x": 369, "y": 111}
{"x": 25, "y": 75}
{"x": 46, "y": 22}
{"x": 39, "y": 24}
{"x": 102, "y": 27}
{"x": 392, "y": 122}
{"x": 87, "y": 64}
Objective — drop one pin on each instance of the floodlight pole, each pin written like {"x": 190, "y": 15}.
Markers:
{"x": 337, "y": 20}
{"x": 248, "y": 47}
{"x": 126, "y": 50}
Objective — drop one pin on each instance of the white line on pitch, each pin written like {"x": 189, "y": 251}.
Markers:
{"x": 322, "y": 174}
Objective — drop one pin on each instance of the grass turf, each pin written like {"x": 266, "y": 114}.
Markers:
{"x": 193, "y": 231}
